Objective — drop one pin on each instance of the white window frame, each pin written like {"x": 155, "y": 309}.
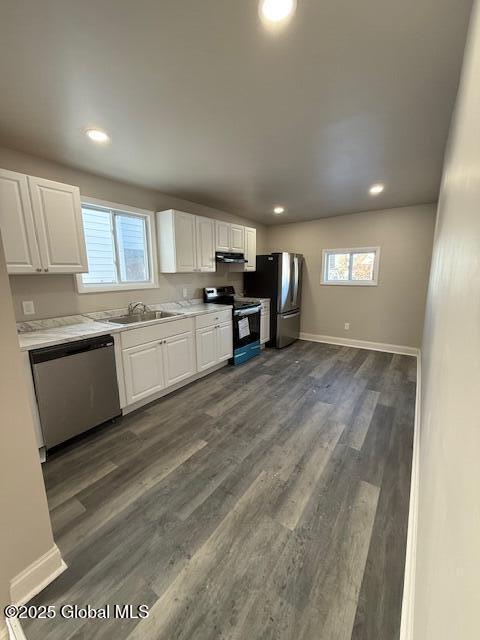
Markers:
{"x": 351, "y": 283}
{"x": 149, "y": 217}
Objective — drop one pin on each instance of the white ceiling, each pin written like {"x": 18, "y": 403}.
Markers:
{"x": 202, "y": 103}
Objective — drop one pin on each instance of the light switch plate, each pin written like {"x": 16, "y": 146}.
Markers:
{"x": 28, "y": 307}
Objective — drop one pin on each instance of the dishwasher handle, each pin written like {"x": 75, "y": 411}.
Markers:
{"x": 70, "y": 349}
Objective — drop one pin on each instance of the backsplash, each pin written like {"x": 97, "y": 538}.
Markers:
{"x": 56, "y": 296}
{"x": 65, "y": 321}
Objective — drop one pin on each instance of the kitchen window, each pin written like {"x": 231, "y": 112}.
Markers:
{"x": 351, "y": 266}
{"x": 119, "y": 245}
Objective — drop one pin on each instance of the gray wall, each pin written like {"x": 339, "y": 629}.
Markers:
{"x": 393, "y": 311}
{"x": 57, "y": 295}
{"x": 25, "y": 529}
{"x": 448, "y": 552}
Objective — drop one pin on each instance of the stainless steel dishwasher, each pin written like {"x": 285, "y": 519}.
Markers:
{"x": 76, "y": 387}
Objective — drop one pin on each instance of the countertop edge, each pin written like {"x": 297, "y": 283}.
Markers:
{"x": 105, "y": 328}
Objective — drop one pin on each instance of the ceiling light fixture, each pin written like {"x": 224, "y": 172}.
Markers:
{"x": 279, "y": 210}
{"x": 376, "y": 189}
{"x": 97, "y": 135}
{"x": 277, "y": 11}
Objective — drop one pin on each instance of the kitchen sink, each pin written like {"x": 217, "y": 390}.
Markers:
{"x": 144, "y": 317}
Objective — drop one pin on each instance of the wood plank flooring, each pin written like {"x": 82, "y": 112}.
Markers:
{"x": 267, "y": 501}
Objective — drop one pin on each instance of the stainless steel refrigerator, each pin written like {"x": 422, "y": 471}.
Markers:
{"x": 279, "y": 277}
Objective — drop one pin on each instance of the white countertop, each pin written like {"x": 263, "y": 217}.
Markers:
{"x": 81, "y": 327}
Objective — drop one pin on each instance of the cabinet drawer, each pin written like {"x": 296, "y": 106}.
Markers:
{"x": 142, "y": 335}
{"x": 210, "y": 319}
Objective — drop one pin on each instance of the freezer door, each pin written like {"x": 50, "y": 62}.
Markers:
{"x": 288, "y": 328}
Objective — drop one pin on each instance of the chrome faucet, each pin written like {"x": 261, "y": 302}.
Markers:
{"x": 133, "y": 306}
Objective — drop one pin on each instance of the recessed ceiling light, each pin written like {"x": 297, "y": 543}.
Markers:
{"x": 376, "y": 189}
{"x": 276, "y": 11}
{"x": 97, "y": 135}
{"x": 279, "y": 210}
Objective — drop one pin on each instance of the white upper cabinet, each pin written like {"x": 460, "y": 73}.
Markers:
{"x": 223, "y": 235}
{"x": 177, "y": 241}
{"x": 205, "y": 244}
{"x": 41, "y": 225}
{"x": 237, "y": 238}
{"x": 250, "y": 249}
{"x": 17, "y": 225}
{"x": 187, "y": 243}
{"x": 230, "y": 237}
{"x": 57, "y": 212}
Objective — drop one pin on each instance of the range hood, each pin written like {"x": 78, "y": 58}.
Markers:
{"x": 225, "y": 256}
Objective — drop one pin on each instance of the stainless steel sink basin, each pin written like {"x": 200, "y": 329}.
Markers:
{"x": 143, "y": 317}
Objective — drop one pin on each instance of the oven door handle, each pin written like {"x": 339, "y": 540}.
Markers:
{"x": 246, "y": 312}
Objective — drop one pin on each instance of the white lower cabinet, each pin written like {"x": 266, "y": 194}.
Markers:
{"x": 156, "y": 357}
{"x": 214, "y": 338}
{"x": 159, "y": 356}
{"x": 224, "y": 339}
{"x": 206, "y": 348}
{"x": 178, "y": 358}
{"x": 143, "y": 370}
{"x": 265, "y": 322}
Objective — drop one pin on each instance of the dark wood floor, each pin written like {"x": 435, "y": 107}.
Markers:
{"x": 267, "y": 501}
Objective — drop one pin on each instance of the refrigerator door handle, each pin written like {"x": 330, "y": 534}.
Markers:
{"x": 290, "y": 315}
{"x": 295, "y": 281}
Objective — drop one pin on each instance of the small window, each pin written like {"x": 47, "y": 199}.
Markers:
{"x": 351, "y": 266}
{"x": 119, "y": 249}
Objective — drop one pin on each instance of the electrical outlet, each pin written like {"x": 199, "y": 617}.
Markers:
{"x": 347, "y": 326}
{"x": 28, "y": 307}
{"x": 185, "y": 292}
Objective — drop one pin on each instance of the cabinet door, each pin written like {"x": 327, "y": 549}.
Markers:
{"x": 250, "y": 249}
{"x": 143, "y": 370}
{"x": 224, "y": 341}
{"x": 206, "y": 348}
{"x": 16, "y": 224}
{"x": 58, "y": 219}
{"x": 184, "y": 225}
{"x": 237, "y": 238}
{"x": 222, "y": 235}
{"x": 178, "y": 358}
{"x": 264, "y": 327}
{"x": 205, "y": 244}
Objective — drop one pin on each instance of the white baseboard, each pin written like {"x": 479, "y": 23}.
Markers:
{"x": 361, "y": 344}
{"x": 37, "y": 576}
{"x": 406, "y": 630}
{"x": 15, "y": 631}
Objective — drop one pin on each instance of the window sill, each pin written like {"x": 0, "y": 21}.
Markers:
{"x": 350, "y": 284}
{"x": 108, "y": 288}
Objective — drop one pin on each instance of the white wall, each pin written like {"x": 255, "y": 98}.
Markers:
{"x": 25, "y": 531}
{"x": 392, "y": 312}
{"x": 447, "y": 596}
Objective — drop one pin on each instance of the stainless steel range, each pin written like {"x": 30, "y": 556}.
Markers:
{"x": 246, "y": 321}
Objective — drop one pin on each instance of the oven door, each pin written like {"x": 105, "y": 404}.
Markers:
{"x": 246, "y": 326}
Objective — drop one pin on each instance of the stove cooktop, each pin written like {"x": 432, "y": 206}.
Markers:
{"x": 226, "y": 295}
